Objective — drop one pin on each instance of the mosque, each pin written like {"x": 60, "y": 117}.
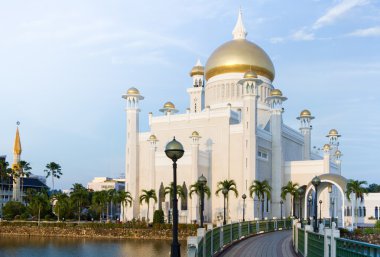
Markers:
{"x": 233, "y": 129}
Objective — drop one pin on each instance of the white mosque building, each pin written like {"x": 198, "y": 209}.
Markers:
{"x": 233, "y": 129}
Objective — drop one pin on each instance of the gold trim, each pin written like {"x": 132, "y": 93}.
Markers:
{"x": 239, "y": 68}
{"x": 192, "y": 73}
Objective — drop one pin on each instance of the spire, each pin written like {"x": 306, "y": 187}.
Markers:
{"x": 17, "y": 146}
{"x": 239, "y": 31}
{"x": 199, "y": 64}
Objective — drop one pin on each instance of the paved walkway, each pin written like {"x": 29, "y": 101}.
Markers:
{"x": 276, "y": 244}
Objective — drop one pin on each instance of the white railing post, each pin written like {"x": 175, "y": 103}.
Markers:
{"x": 326, "y": 243}
{"x": 335, "y": 233}
{"x": 307, "y": 228}
{"x": 240, "y": 230}
{"x": 221, "y": 238}
{"x": 257, "y": 227}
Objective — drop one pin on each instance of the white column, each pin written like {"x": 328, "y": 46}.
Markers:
{"x": 153, "y": 146}
{"x": 194, "y": 212}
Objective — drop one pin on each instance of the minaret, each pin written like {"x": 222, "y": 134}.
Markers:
{"x": 333, "y": 136}
{"x": 249, "y": 83}
{"x": 168, "y": 108}
{"x": 338, "y": 155}
{"x": 326, "y": 158}
{"x": 153, "y": 147}
{"x": 239, "y": 31}
{"x": 305, "y": 128}
{"x": 196, "y": 92}
{"x": 194, "y": 215}
{"x": 16, "y": 196}
{"x": 132, "y": 150}
{"x": 275, "y": 101}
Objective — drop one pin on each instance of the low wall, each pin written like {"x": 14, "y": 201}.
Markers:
{"x": 97, "y": 232}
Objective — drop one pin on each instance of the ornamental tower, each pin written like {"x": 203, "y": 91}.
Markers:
{"x": 194, "y": 214}
{"x": 250, "y": 84}
{"x": 132, "y": 149}
{"x": 196, "y": 93}
{"x": 16, "y": 196}
{"x": 275, "y": 101}
{"x": 305, "y": 128}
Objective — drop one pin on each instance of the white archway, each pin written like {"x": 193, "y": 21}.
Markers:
{"x": 327, "y": 179}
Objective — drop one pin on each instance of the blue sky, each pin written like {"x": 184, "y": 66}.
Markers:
{"x": 65, "y": 64}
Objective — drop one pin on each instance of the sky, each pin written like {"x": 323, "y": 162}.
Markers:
{"x": 65, "y": 64}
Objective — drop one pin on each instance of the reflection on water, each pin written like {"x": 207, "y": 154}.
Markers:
{"x": 23, "y": 246}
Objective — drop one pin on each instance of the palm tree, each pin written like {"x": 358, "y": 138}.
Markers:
{"x": 62, "y": 201}
{"x": 24, "y": 173}
{"x": 292, "y": 189}
{"x": 99, "y": 201}
{"x": 40, "y": 200}
{"x": 125, "y": 198}
{"x": 146, "y": 196}
{"x": 356, "y": 187}
{"x": 54, "y": 170}
{"x": 5, "y": 172}
{"x": 112, "y": 200}
{"x": 79, "y": 196}
{"x": 260, "y": 189}
{"x": 197, "y": 188}
{"x": 170, "y": 190}
{"x": 229, "y": 185}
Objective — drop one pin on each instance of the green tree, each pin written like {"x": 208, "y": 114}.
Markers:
{"x": 146, "y": 196}
{"x": 5, "y": 173}
{"x": 12, "y": 209}
{"x": 125, "y": 198}
{"x": 54, "y": 170}
{"x": 40, "y": 203}
{"x": 357, "y": 188}
{"x": 229, "y": 185}
{"x": 260, "y": 189}
{"x": 79, "y": 196}
{"x": 197, "y": 188}
{"x": 291, "y": 189}
{"x": 61, "y": 203}
{"x": 169, "y": 190}
{"x": 99, "y": 202}
{"x": 24, "y": 172}
{"x": 113, "y": 200}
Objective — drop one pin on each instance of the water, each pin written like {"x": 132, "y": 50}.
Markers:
{"x": 23, "y": 246}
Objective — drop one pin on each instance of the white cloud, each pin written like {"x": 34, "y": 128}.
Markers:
{"x": 368, "y": 32}
{"x": 338, "y": 11}
{"x": 303, "y": 35}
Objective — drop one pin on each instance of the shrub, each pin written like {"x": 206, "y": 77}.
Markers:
{"x": 344, "y": 232}
{"x": 358, "y": 232}
{"x": 158, "y": 217}
{"x": 377, "y": 224}
{"x": 12, "y": 209}
{"x": 24, "y": 216}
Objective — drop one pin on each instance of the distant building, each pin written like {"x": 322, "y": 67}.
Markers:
{"x": 106, "y": 183}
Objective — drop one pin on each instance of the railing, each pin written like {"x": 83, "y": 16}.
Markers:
{"x": 215, "y": 240}
{"x": 301, "y": 241}
{"x": 316, "y": 244}
{"x": 351, "y": 248}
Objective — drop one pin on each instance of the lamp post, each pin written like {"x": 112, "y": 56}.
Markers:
{"x": 174, "y": 151}
{"x": 332, "y": 211}
{"x": 225, "y": 192}
{"x": 202, "y": 182}
{"x": 300, "y": 193}
{"x": 316, "y": 181}
{"x": 281, "y": 203}
{"x": 244, "y": 197}
{"x": 320, "y": 211}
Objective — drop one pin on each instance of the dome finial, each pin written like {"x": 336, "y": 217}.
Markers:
{"x": 239, "y": 31}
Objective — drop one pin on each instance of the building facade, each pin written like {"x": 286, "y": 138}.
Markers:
{"x": 233, "y": 129}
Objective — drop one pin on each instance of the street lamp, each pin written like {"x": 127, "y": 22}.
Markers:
{"x": 174, "y": 151}
{"x": 202, "y": 182}
{"x": 225, "y": 192}
{"x": 244, "y": 197}
{"x": 300, "y": 193}
{"x": 320, "y": 211}
{"x": 309, "y": 205}
{"x": 281, "y": 203}
{"x": 332, "y": 211}
{"x": 316, "y": 181}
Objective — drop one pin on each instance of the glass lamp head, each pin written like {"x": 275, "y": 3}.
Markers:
{"x": 316, "y": 181}
{"x": 174, "y": 150}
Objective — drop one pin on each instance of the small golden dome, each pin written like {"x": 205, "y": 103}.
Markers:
{"x": 338, "y": 153}
{"x": 195, "y": 134}
{"x": 305, "y": 114}
{"x": 152, "y": 138}
{"x": 326, "y": 147}
{"x": 250, "y": 75}
{"x": 333, "y": 132}
{"x": 133, "y": 91}
{"x": 169, "y": 105}
{"x": 197, "y": 70}
{"x": 276, "y": 92}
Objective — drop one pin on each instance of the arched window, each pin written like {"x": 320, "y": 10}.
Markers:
{"x": 184, "y": 199}
{"x": 364, "y": 212}
{"x": 360, "y": 212}
{"x": 376, "y": 213}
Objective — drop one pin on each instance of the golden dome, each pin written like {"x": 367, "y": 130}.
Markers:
{"x": 276, "y": 92}
{"x": 333, "y": 132}
{"x": 239, "y": 55}
{"x": 197, "y": 70}
{"x": 326, "y": 147}
{"x": 133, "y": 91}
{"x": 169, "y": 105}
{"x": 250, "y": 75}
{"x": 338, "y": 153}
{"x": 152, "y": 138}
{"x": 305, "y": 113}
{"x": 195, "y": 134}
